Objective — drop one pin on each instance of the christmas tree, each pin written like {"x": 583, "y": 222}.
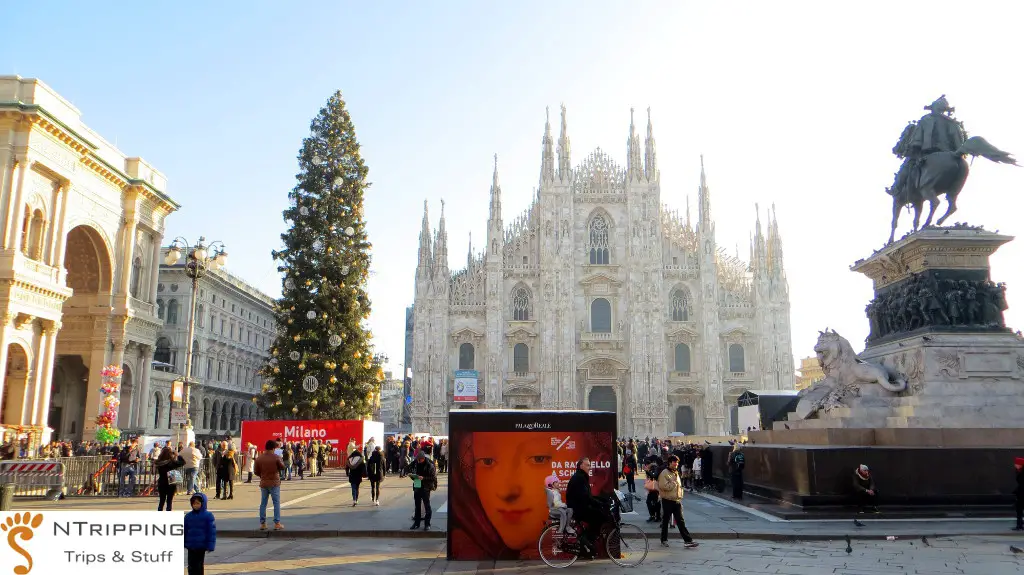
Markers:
{"x": 321, "y": 364}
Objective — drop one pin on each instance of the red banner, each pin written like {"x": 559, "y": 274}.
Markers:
{"x": 336, "y": 432}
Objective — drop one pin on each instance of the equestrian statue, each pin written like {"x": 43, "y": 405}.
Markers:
{"x": 934, "y": 151}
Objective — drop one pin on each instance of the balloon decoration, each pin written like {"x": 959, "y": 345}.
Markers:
{"x": 107, "y": 431}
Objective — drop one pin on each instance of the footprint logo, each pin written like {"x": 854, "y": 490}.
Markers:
{"x": 21, "y": 525}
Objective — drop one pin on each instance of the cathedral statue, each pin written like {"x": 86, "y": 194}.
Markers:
{"x": 934, "y": 151}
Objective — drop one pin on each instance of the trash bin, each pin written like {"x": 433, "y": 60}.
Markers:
{"x": 6, "y": 496}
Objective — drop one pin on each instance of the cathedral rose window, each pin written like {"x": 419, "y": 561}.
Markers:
{"x": 520, "y": 304}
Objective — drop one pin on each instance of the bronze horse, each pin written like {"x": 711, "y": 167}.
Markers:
{"x": 937, "y": 174}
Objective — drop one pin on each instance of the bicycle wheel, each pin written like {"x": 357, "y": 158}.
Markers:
{"x": 555, "y": 549}
{"x": 627, "y": 546}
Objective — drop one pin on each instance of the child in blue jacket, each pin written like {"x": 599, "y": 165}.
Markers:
{"x": 200, "y": 534}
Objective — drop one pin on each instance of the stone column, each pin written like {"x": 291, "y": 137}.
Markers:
{"x": 128, "y": 245}
{"x": 142, "y": 387}
{"x": 12, "y": 225}
{"x": 97, "y": 361}
{"x": 48, "y": 346}
{"x": 58, "y": 229}
{"x": 7, "y": 318}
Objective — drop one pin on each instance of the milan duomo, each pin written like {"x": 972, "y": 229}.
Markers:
{"x": 600, "y": 297}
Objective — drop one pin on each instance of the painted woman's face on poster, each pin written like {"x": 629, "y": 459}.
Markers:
{"x": 497, "y": 498}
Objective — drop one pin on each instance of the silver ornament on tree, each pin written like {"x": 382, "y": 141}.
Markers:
{"x": 304, "y": 211}
{"x": 310, "y": 314}
{"x": 289, "y": 283}
{"x": 344, "y": 270}
{"x": 318, "y": 245}
{"x": 338, "y": 181}
{"x": 334, "y": 340}
{"x": 294, "y": 356}
{"x": 317, "y": 161}
{"x": 350, "y": 231}
{"x": 310, "y": 383}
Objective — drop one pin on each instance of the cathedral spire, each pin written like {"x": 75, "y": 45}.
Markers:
{"x": 634, "y": 168}
{"x": 564, "y": 167}
{"x": 688, "y": 211}
{"x": 759, "y": 243}
{"x": 441, "y": 246}
{"x": 547, "y": 161}
{"x": 469, "y": 256}
{"x": 775, "y": 244}
{"x": 495, "y": 193}
{"x": 704, "y": 199}
{"x": 426, "y": 248}
{"x": 650, "y": 152}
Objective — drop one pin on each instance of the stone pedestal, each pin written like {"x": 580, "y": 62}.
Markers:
{"x": 937, "y": 321}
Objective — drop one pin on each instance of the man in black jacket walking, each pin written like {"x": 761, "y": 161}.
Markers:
{"x": 424, "y": 480}
{"x": 584, "y": 506}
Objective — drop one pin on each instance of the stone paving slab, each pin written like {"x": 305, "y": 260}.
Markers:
{"x": 966, "y": 556}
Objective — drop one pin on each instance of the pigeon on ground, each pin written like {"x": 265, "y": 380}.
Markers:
{"x": 786, "y": 425}
{"x": 1016, "y": 549}
{"x": 858, "y": 523}
{"x": 924, "y": 539}
{"x": 849, "y": 548}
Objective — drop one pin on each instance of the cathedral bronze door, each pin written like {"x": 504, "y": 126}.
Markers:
{"x": 684, "y": 420}
{"x": 602, "y": 398}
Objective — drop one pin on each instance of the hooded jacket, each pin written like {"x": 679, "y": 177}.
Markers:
{"x": 200, "y": 529}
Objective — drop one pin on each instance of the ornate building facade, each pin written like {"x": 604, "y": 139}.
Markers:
{"x": 601, "y": 297}
{"x": 82, "y": 227}
{"x": 234, "y": 329}
{"x": 810, "y": 372}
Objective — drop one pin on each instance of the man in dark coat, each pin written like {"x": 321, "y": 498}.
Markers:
{"x": 584, "y": 506}
{"x": 423, "y": 473}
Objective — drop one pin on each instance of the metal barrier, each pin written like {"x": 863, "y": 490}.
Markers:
{"x": 102, "y": 476}
{"x": 34, "y": 478}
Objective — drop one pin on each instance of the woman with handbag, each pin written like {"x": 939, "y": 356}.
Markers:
{"x": 629, "y": 470}
{"x": 168, "y": 467}
{"x": 651, "y": 485}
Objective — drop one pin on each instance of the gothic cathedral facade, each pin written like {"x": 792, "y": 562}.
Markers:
{"x": 600, "y": 297}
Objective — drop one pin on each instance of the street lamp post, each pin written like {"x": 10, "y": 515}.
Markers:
{"x": 199, "y": 259}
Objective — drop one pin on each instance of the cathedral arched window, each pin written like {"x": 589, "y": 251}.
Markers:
{"x": 521, "y": 359}
{"x": 682, "y": 358}
{"x": 680, "y": 305}
{"x": 521, "y": 304}
{"x": 599, "y": 240}
{"x": 737, "y": 362}
{"x": 467, "y": 356}
{"x": 600, "y": 316}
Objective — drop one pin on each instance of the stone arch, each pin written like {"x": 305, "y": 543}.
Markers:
{"x": 224, "y": 414}
{"x": 680, "y": 306}
{"x": 17, "y": 373}
{"x": 87, "y": 259}
{"x": 235, "y": 417}
{"x": 521, "y": 300}
{"x": 215, "y": 415}
{"x": 157, "y": 407}
{"x": 206, "y": 413}
{"x": 600, "y": 231}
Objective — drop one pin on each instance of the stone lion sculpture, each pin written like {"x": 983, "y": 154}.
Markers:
{"x": 844, "y": 373}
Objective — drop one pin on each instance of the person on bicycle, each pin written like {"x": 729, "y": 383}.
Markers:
{"x": 585, "y": 507}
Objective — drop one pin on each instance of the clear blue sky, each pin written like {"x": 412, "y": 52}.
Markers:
{"x": 796, "y": 103}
